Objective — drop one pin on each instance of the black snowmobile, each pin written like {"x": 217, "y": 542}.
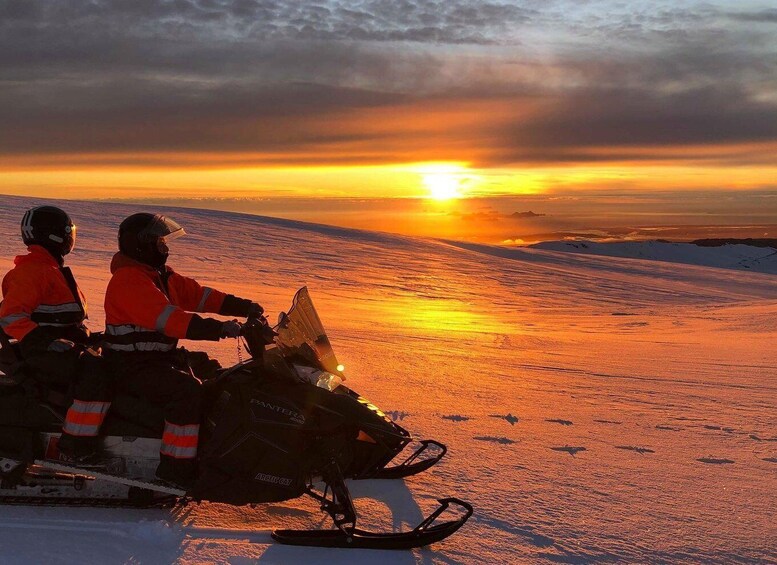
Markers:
{"x": 276, "y": 426}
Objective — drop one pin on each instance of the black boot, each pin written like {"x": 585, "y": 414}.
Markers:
{"x": 181, "y": 473}
{"x": 78, "y": 449}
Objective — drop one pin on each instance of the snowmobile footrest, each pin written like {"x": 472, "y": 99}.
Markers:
{"x": 425, "y": 533}
{"x": 410, "y": 466}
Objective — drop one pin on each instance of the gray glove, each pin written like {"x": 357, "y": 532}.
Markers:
{"x": 61, "y": 345}
{"x": 231, "y": 328}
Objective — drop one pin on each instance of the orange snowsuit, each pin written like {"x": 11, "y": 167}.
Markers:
{"x": 38, "y": 294}
{"x": 42, "y": 303}
{"x": 146, "y": 313}
{"x": 143, "y": 312}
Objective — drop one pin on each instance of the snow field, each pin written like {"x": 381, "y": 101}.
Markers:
{"x": 591, "y": 404}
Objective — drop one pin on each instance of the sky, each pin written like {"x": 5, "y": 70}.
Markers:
{"x": 386, "y": 99}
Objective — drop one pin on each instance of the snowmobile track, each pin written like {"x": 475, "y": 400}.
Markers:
{"x": 111, "y": 478}
{"x": 161, "y": 502}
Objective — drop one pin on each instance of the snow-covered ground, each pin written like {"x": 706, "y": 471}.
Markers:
{"x": 732, "y": 256}
{"x": 597, "y": 409}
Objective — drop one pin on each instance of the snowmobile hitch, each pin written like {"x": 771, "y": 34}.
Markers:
{"x": 424, "y": 534}
{"x": 408, "y": 467}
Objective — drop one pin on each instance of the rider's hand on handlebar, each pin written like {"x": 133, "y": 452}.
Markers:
{"x": 255, "y": 310}
{"x": 231, "y": 328}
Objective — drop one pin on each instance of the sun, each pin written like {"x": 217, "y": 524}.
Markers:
{"x": 442, "y": 186}
{"x": 444, "y": 181}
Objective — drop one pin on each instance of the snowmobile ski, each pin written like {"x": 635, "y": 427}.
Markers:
{"x": 424, "y": 534}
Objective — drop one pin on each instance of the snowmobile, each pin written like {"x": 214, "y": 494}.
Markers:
{"x": 278, "y": 425}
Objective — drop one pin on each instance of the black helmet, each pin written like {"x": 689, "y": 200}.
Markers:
{"x": 49, "y": 227}
{"x": 143, "y": 237}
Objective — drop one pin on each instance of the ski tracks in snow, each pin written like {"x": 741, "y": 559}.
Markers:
{"x": 573, "y": 450}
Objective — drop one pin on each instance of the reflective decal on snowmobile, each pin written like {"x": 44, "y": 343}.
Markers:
{"x": 372, "y": 407}
{"x": 294, "y": 417}
{"x": 273, "y": 480}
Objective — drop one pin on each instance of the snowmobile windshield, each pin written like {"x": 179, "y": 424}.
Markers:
{"x": 301, "y": 335}
{"x": 161, "y": 228}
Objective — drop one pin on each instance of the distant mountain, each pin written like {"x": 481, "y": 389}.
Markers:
{"x": 527, "y": 214}
{"x": 718, "y": 242}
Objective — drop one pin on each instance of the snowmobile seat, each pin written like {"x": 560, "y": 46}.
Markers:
{"x": 133, "y": 416}
{"x": 22, "y": 411}
{"x": 11, "y": 364}
{"x": 22, "y": 420}
{"x": 17, "y": 380}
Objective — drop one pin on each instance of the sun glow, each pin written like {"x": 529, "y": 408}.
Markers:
{"x": 443, "y": 181}
{"x": 442, "y": 186}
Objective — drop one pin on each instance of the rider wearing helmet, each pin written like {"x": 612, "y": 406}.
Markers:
{"x": 148, "y": 308}
{"x": 44, "y": 311}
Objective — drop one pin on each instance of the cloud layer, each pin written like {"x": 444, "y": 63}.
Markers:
{"x": 494, "y": 83}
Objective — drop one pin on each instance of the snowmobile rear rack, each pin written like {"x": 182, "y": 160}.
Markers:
{"x": 424, "y": 534}
{"x": 408, "y": 467}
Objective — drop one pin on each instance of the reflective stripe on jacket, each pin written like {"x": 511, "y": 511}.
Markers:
{"x": 143, "y": 312}
{"x": 36, "y": 293}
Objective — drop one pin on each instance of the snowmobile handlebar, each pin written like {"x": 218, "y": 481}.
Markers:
{"x": 257, "y": 334}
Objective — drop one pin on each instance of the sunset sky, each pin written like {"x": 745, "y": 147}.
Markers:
{"x": 382, "y": 99}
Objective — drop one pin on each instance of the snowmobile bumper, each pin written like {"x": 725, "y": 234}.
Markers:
{"x": 424, "y": 534}
{"x": 410, "y": 466}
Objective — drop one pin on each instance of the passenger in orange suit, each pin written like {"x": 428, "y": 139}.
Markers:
{"x": 148, "y": 308}
{"x": 44, "y": 311}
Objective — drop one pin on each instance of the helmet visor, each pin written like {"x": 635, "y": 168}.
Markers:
{"x": 161, "y": 228}
{"x": 70, "y": 238}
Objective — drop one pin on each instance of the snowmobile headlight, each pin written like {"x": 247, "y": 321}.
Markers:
{"x": 328, "y": 381}
{"x": 314, "y": 376}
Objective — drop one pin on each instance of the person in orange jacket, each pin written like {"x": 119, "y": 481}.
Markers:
{"x": 44, "y": 311}
{"x": 148, "y": 308}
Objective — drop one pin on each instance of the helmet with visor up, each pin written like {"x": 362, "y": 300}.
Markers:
{"x": 144, "y": 237}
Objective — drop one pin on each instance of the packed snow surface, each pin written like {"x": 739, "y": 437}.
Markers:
{"x": 596, "y": 409}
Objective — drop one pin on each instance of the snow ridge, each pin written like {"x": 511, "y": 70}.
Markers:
{"x": 728, "y": 256}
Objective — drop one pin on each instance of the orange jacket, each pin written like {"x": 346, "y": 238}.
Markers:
{"x": 143, "y": 312}
{"x": 36, "y": 293}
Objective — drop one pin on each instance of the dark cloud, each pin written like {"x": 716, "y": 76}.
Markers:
{"x": 230, "y": 117}
{"x": 613, "y": 118}
{"x": 762, "y": 16}
{"x": 449, "y": 21}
